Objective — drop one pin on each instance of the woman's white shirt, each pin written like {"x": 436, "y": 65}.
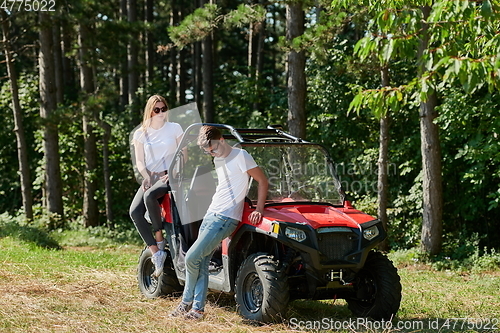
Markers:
{"x": 159, "y": 145}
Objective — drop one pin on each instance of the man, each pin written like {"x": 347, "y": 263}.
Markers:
{"x": 234, "y": 168}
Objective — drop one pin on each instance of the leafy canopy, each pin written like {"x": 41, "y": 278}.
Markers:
{"x": 464, "y": 47}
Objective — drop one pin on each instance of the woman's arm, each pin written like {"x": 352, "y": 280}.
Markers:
{"x": 140, "y": 162}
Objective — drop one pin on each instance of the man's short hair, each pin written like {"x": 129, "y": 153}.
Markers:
{"x": 207, "y": 134}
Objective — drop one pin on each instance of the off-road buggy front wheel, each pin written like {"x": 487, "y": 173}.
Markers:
{"x": 377, "y": 289}
{"x": 151, "y": 287}
{"x": 262, "y": 291}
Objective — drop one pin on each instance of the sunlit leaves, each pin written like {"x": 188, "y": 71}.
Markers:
{"x": 196, "y": 26}
{"x": 380, "y": 101}
{"x": 464, "y": 45}
{"x": 245, "y": 15}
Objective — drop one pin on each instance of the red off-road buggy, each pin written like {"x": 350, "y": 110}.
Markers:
{"x": 311, "y": 244}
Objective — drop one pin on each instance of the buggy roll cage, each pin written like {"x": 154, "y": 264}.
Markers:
{"x": 254, "y": 135}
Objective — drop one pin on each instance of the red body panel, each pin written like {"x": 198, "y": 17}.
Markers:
{"x": 316, "y": 216}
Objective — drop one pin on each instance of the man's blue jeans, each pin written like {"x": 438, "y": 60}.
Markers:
{"x": 213, "y": 230}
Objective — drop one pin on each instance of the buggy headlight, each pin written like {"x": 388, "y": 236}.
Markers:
{"x": 371, "y": 233}
{"x": 295, "y": 234}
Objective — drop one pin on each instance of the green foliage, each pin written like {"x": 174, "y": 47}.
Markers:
{"x": 10, "y": 192}
{"x": 21, "y": 230}
{"x": 471, "y": 162}
{"x": 379, "y": 100}
{"x": 317, "y": 38}
{"x": 40, "y": 232}
{"x": 347, "y": 43}
{"x": 196, "y": 26}
{"x": 394, "y": 33}
{"x": 467, "y": 254}
{"x": 203, "y": 21}
{"x": 244, "y": 15}
{"x": 239, "y": 95}
{"x": 463, "y": 256}
{"x": 75, "y": 234}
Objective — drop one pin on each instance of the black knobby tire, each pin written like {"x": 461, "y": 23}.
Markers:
{"x": 378, "y": 289}
{"x": 262, "y": 291}
{"x": 151, "y": 287}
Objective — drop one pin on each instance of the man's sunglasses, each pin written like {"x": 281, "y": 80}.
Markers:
{"x": 212, "y": 151}
{"x": 157, "y": 110}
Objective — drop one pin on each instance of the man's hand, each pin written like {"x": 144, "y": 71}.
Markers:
{"x": 255, "y": 217}
{"x": 258, "y": 175}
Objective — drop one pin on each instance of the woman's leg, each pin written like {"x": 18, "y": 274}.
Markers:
{"x": 137, "y": 211}
{"x": 213, "y": 230}
{"x": 157, "y": 191}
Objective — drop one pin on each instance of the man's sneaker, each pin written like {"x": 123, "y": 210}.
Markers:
{"x": 181, "y": 309}
{"x": 194, "y": 314}
{"x": 158, "y": 259}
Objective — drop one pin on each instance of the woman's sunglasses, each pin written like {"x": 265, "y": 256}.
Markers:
{"x": 157, "y": 110}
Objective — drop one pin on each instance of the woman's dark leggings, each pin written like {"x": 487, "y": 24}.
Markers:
{"x": 148, "y": 201}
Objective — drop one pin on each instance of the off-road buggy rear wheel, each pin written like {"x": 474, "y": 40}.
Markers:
{"x": 378, "y": 289}
{"x": 152, "y": 287}
{"x": 262, "y": 291}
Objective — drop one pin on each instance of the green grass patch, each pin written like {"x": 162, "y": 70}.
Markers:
{"x": 93, "y": 288}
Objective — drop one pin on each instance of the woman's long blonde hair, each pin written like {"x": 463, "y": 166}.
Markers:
{"x": 148, "y": 110}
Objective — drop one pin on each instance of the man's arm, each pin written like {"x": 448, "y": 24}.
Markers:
{"x": 258, "y": 175}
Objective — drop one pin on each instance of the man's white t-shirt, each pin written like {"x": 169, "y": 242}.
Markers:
{"x": 233, "y": 183}
{"x": 159, "y": 145}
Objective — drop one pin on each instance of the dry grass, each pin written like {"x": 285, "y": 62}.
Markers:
{"x": 40, "y": 291}
{"x": 100, "y": 300}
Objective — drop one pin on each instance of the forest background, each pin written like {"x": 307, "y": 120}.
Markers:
{"x": 403, "y": 94}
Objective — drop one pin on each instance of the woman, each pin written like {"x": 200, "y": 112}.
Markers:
{"x": 155, "y": 142}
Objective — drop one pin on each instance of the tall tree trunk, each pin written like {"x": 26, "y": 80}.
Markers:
{"x": 150, "y": 51}
{"x": 68, "y": 73}
{"x": 197, "y": 77}
{"x": 208, "y": 74}
{"x": 432, "y": 224}
{"x": 47, "y": 106}
{"x": 182, "y": 70}
{"x": 106, "y": 171}
{"x": 172, "y": 82}
{"x": 22, "y": 150}
{"x": 296, "y": 72}
{"x": 275, "y": 54}
{"x": 124, "y": 61}
{"x": 207, "y": 69}
{"x": 133, "y": 56}
{"x": 383, "y": 156}
{"x": 261, "y": 28}
{"x": 174, "y": 20}
{"x": 58, "y": 61}
{"x": 90, "y": 208}
{"x": 251, "y": 50}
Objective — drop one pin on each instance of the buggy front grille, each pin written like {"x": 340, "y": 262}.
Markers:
{"x": 337, "y": 245}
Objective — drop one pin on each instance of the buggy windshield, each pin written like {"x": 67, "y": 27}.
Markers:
{"x": 296, "y": 172}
